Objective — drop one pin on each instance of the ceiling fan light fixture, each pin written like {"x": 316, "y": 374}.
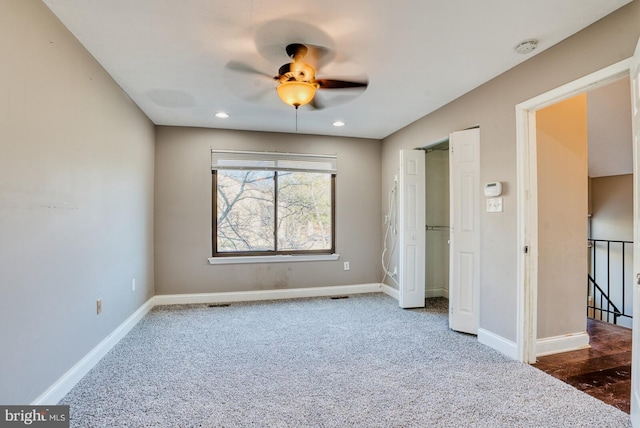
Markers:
{"x": 297, "y": 93}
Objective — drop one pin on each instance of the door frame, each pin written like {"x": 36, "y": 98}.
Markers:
{"x": 527, "y": 199}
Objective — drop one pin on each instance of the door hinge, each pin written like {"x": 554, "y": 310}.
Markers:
{"x": 526, "y": 249}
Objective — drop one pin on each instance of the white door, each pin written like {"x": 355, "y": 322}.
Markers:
{"x": 635, "y": 359}
{"x": 464, "y": 276}
{"x": 411, "y": 227}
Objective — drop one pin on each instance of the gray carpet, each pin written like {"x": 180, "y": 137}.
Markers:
{"x": 356, "y": 362}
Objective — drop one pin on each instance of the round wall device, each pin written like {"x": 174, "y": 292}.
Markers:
{"x": 526, "y": 46}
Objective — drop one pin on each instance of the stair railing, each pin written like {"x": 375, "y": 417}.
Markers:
{"x": 601, "y": 304}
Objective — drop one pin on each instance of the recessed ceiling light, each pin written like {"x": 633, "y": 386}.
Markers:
{"x": 222, "y": 115}
{"x": 338, "y": 123}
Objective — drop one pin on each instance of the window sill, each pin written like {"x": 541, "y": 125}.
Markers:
{"x": 273, "y": 259}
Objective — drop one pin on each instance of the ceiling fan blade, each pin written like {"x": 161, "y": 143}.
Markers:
{"x": 316, "y": 104}
{"x": 319, "y": 56}
{"x": 245, "y": 68}
{"x": 260, "y": 95}
{"x": 284, "y": 69}
{"x": 340, "y": 84}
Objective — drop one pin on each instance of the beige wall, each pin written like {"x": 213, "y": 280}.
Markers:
{"x": 76, "y": 200}
{"x": 612, "y": 207}
{"x": 561, "y": 138}
{"x": 183, "y": 214}
{"x": 492, "y": 107}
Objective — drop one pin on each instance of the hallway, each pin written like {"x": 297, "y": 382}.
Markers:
{"x": 602, "y": 371}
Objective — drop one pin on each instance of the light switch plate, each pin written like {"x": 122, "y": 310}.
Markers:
{"x": 494, "y": 205}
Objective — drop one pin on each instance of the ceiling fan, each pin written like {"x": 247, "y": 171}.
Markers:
{"x": 297, "y": 82}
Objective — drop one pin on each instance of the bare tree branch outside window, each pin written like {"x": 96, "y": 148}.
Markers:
{"x": 304, "y": 211}
{"x": 246, "y": 211}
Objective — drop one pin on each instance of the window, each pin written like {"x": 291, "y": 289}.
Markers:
{"x": 273, "y": 203}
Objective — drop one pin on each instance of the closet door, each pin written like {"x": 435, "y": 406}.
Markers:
{"x": 411, "y": 228}
{"x": 464, "y": 265}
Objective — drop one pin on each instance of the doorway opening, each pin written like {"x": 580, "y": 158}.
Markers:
{"x": 528, "y": 204}
{"x": 452, "y": 242}
{"x": 610, "y": 279}
{"x": 463, "y": 252}
{"x": 437, "y": 220}
{"x": 585, "y": 253}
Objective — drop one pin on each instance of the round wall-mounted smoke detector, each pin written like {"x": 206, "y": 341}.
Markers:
{"x": 526, "y": 46}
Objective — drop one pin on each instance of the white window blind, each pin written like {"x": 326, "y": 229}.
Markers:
{"x": 272, "y": 161}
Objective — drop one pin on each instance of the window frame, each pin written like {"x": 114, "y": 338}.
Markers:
{"x": 276, "y": 252}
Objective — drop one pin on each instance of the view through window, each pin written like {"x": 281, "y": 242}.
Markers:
{"x": 265, "y": 206}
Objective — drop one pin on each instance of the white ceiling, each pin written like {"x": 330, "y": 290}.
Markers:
{"x": 171, "y": 56}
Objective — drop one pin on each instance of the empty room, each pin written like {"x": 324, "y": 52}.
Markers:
{"x": 262, "y": 213}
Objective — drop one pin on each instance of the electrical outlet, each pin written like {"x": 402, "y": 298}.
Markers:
{"x": 346, "y": 266}
{"x": 133, "y": 284}
{"x": 99, "y": 306}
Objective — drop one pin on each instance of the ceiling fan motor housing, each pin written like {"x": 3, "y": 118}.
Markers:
{"x": 296, "y": 71}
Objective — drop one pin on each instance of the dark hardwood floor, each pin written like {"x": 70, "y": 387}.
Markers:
{"x": 602, "y": 371}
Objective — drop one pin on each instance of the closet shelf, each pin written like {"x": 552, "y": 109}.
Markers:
{"x": 440, "y": 228}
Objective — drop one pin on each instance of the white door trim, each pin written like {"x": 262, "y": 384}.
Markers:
{"x": 635, "y": 125}
{"x": 527, "y": 193}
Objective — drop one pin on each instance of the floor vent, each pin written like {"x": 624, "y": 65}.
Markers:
{"x": 219, "y": 305}
{"x": 339, "y": 297}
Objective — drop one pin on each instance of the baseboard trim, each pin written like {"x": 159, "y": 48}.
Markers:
{"x": 436, "y": 292}
{"x": 250, "y": 296}
{"x": 499, "y": 343}
{"x": 390, "y": 291}
{"x": 67, "y": 381}
{"x": 564, "y": 343}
